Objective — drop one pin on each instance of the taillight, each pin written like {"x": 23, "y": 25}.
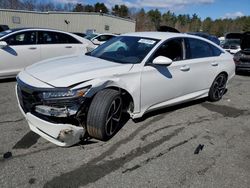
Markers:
{"x": 237, "y": 58}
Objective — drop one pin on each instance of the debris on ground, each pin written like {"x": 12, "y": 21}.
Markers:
{"x": 199, "y": 148}
{"x": 7, "y": 155}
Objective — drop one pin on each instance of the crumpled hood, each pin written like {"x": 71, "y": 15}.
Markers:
{"x": 70, "y": 70}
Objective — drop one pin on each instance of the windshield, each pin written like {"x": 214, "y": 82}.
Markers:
{"x": 3, "y": 33}
{"x": 232, "y": 42}
{"x": 125, "y": 49}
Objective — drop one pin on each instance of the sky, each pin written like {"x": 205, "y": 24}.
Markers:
{"x": 203, "y": 8}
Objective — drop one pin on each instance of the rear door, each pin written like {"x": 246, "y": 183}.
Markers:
{"x": 22, "y": 50}
{"x": 54, "y": 44}
{"x": 203, "y": 62}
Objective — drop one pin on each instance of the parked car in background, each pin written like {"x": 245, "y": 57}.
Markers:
{"x": 22, "y": 47}
{"x": 3, "y": 28}
{"x": 206, "y": 36}
{"x": 222, "y": 40}
{"x": 134, "y": 73}
{"x": 80, "y": 34}
{"x": 98, "y": 39}
{"x": 232, "y": 42}
{"x": 242, "y": 58}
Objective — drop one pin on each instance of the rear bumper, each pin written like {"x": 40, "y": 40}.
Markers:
{"x": 59, "y": 134}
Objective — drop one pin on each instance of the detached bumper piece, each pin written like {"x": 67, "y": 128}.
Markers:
{"x": 59, "y": 134}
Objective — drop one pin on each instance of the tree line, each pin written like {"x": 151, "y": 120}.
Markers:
{"x": 145, "y": 20}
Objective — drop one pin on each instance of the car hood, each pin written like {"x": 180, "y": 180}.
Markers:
{"x": 70, "y": 70}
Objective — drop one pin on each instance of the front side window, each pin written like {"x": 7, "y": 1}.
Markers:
{"x": 125, "y": 49}
{"x": 198, "y": 49}
{"x": 23, "y": 38}
{"x": 171, "y": 49}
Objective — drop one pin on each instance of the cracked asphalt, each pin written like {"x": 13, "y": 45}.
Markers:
{"x": 154, "y": 151}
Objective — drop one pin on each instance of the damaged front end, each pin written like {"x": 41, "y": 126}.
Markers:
{"x": 55, "y": 114}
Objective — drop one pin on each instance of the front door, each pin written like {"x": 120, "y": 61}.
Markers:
{"x": 22, "y": 50}
{"x": 161, "y": 83}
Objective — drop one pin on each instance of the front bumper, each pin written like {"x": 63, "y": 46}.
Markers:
{"x": 58, "y": 133}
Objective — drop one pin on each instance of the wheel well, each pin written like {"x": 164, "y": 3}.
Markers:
{"x": 128, "y": 101}
{"x": 224, "y": 73}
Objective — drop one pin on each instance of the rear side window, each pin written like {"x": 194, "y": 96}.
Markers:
{"x": 23, "y": 38}
{"x": 48, "y": 37}
{"x": 216, "y": 51}
{"x": 198, "y": 49}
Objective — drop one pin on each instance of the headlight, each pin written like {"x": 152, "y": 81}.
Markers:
{"x": 64, "y": 94}
{"x": 61, "y": 103}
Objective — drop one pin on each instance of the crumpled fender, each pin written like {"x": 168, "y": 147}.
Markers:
{"x": 128, "y": 83}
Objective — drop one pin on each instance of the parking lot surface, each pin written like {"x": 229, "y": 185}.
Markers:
{"x": 157, "y": 150}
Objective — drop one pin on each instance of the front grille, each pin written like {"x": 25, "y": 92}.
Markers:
{"x": 27, "y": 98}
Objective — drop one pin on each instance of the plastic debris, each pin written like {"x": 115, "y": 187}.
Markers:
{"x": 199, "y": 148}
{"x": 7, "y": 155}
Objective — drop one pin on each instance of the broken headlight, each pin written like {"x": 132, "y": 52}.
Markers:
{"x": 47, "y": 95}
{"x": 61, "y": 103}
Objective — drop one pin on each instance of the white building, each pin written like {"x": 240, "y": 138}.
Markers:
{"x": 67, "y": 21}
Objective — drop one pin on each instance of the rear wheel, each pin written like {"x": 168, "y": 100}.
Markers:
{"x": 218, "y": 88}
{"x": 104, "y": 115}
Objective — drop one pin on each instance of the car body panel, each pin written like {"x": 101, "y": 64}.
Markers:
{"x": 15, "y": 58}
{"x": 87, "y": 68}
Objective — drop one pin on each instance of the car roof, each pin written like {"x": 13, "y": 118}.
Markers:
{"x": 167, "y": 35}
{"x": 160, "y": 35}
{"x": 34, "y": 28}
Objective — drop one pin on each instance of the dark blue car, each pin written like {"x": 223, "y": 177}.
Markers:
{"x": 206, "y": 36}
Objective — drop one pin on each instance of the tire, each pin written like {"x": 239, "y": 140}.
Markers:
{"x": 218, "y": 88}
{"x": 104, "y": 114}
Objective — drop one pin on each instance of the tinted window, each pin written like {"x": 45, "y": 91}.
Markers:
{"x": 104, "y": 37}
{"x": 23, "y": 38}
{"x": 48, "y": 37}
{"x": 171, "y": 49}
{"x": 198, "y": 49}
{"x": 216, "y": 51}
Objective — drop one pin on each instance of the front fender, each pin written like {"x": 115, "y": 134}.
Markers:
{"x": 130, "y": 85}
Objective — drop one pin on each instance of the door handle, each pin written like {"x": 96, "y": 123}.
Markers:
{"x": 68, "y": 47}
{"x": 32, "y": 48}
{"x": 185, "y": 68}
{"x": 214, "y": 64}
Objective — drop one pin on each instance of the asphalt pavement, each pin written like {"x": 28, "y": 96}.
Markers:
{"x": 196, "y": 144}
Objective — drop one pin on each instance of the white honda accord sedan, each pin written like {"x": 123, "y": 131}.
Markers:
{"x": 67, "y": 98}
{"x": 22, "y": 47}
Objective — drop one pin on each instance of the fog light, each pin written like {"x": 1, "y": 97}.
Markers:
{"x": 56, "y": 112}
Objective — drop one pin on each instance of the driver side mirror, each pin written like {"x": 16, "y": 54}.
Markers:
{"x": 3, "y": 44}
{"x": 162, "y": 60}
{"x": 96, "y": 42}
